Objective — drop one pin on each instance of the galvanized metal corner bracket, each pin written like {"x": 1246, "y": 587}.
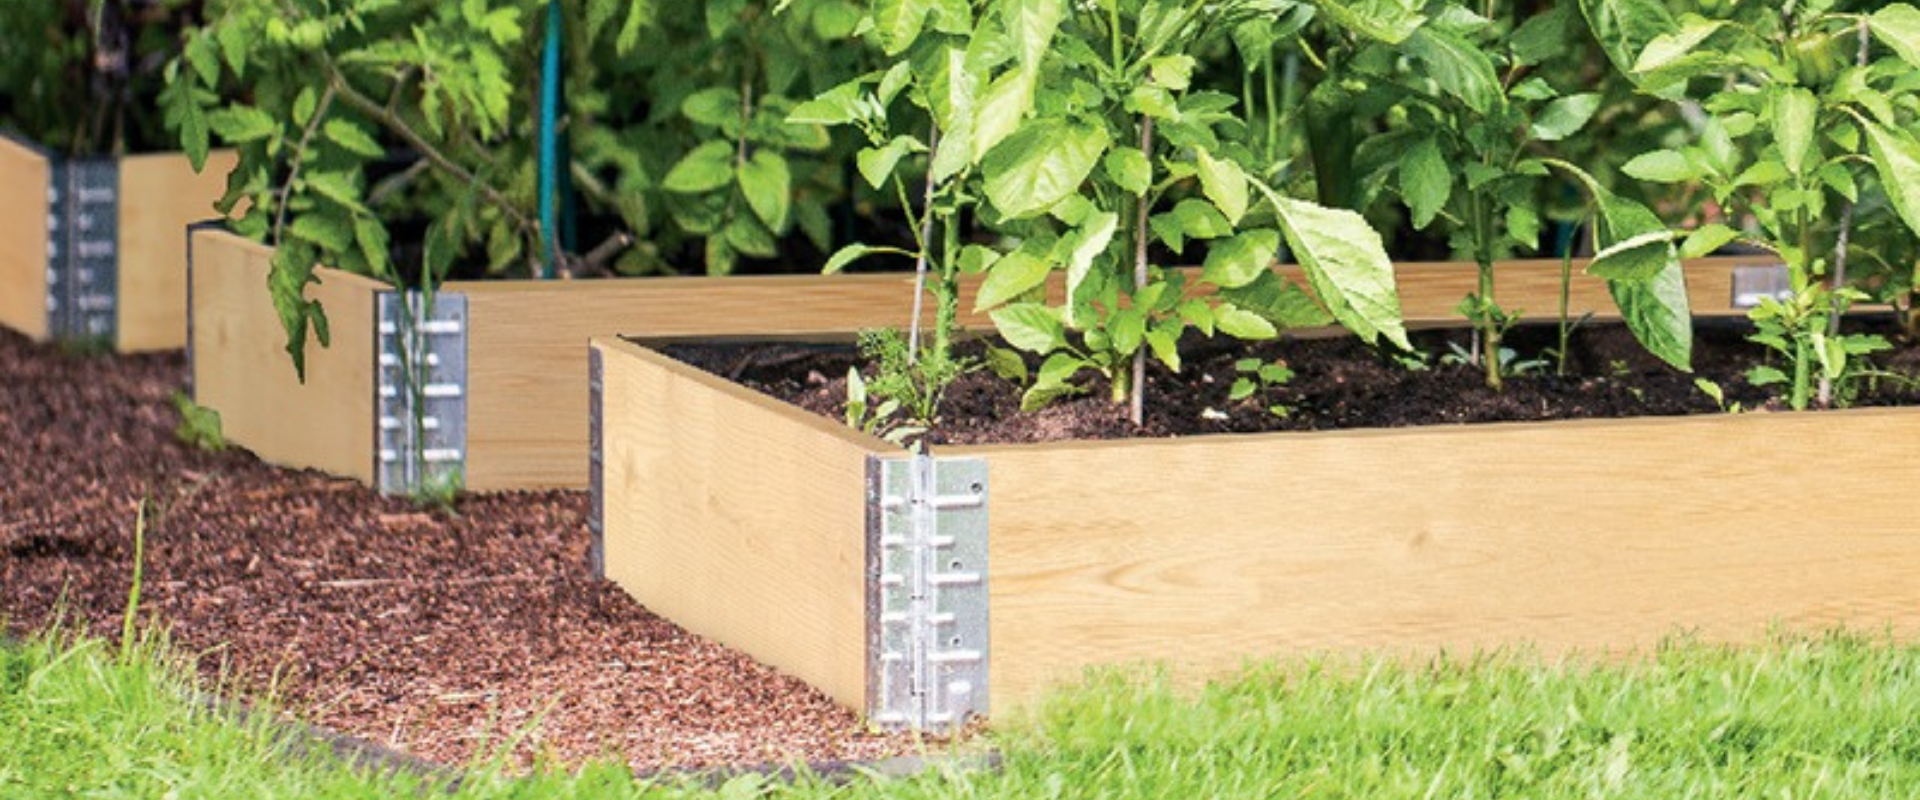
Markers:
{"x": 927, "y": 605}
{"x": 83, "y": 249}
{"x": 1754, "y": 282}
{"x": 596, "y": 465}
{"x": 420, "y": 393}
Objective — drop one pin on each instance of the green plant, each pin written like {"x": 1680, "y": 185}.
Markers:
{"x": 79, "y": 76}
{"x": 902, "y": 399}
{"x": 199, "y": 426}
{"x": 1802, "y": 114}
{"x": 1259, "y": 377}
{"x": 1468, "y": 123}
{"x": 1065, "y": 127}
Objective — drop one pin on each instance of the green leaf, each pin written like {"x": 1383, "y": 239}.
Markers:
{"x": 1223, "y": 182}
{"x": 1031, "y": 24}
{"x": 1638, "y": 258}
{"x": 241, "y": 124}
{"x": 331, "y": 232}
{"x": 1896, "y": 157}
{"x": 768, "y": 186}
{"x": 353, "y": 138}
{"x": 837, "y": 106}
{"x": 1041, "y": 164}
{"x": 1668, "y": 48}
{"x": 373, "y": 241}
{"x": 854, "y": 252}
{"x": 186, "y": 115}
{"x": 704, "y": 169}
{"x": 1031, "y": 327}
{"x": 1085, "y": 244}
{"x": 876, "y": 163}
{"x": 1128, "y": 327}
{"x": 304, "y": 106}
{"x": 1656, "y": 311}
{"x": 1702, "y": 241}
{"x": 1164, "y": 341}
{"x": 1661, "y": 166}
{"x": 1425, "y": 181}
{"x": 1129, "y": 169}
{"x": 1199, "y": 219}
{"x": 1174, "y": 72}
{"x": 1625, "y": 27}
{"x": 1240, "y": 323}
{"x": 338, "y": 187}
{"x": 717, "y": 107}
{"x": 1002, "y": 109}
{"x": 1897, "y": 25}
{"x": 1239, "y": 260}
{"x": 1347, "y": 265}
{"x": 289, "y": 271}
{"x": 1794, "y": 113}
{"x": 898, "y": 23}
{"x": 1013, "y": 275}
{"x": 1544, "y": 35}
{"x": 1459, "y": 67}
{"x": 1564, "y": 117}
{"x": 1390, "y": 21}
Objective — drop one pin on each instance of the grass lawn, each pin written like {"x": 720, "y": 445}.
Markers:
{"x": 1799, "y": 718}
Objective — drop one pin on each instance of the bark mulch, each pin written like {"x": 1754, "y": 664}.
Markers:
{"x": 442, "y": 635}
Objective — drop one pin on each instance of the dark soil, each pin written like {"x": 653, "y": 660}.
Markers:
{"x": 1337, "y": 383}
{"x": 439, "y": 634}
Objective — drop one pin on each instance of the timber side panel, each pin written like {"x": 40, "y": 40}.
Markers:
{"x": 739, "y": 518}
{"x": 25, "y": 176}
{"x": 1596, "y": 536}
{"x": 160, "y": 195}
{"x": 526, "y": 351}
{"x": 242, "y": 370}
{"x": 1429, "y": 292}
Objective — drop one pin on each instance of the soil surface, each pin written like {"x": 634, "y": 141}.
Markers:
{"x": 1336, "y": 383}
{"x": 440, "y": 634}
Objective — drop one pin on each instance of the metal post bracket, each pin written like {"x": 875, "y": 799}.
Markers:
{"x": 421, "y": 391}
{"x": 927, "y": 638}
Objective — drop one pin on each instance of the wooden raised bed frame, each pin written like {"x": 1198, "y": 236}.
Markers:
{"x": 750, "y": 521}
{"x": 526, "y": 413}
{"x": 158, "y": 195}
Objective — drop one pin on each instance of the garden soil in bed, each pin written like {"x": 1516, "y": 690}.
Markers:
{"x": 1338, "y": 383}
{"x": 442, "y": 635}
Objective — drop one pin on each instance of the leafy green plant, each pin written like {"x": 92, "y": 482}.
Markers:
{"x": 1065, "y": 128}
{"x": 902, "y": 398}
{"x": 1259, "y": 377}
{"x": 1802, "y": 114}
{"x": 1468, "y": 123}
{"x": 79, "y": 76}
{"x": 199, "y": 426}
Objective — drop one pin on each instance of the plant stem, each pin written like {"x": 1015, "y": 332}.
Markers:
{"x": 920, "y": 259}
{"x": 300, "y": 159}
{"x": 1484, "y": 321}
{"x": 1566, "y": 329}
{"x": 1838, "y": 279}
{"x": 1138, "y": 409}
{"x": 391, "y": 121}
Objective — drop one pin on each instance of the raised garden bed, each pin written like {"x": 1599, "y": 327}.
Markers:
{"x": 1202, "y": 552}
{"x": 93, "y": 248}
{"x": 517, "y": 417}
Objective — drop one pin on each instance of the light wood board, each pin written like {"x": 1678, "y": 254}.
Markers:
{"x": 24, "y": 178}
{"x": 242, "y": 370}
{"x": 739, "y": 518}
{"x": 160, "y": 195}
{"x": 1201, "y": 553}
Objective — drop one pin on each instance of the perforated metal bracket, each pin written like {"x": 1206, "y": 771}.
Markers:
{"x": 927, "y": 641}
{"x": 83, "y": 249}
{"x": 421, "y": 392}
{"x": 596, "y": 469}
{"x": 1751, "y": 283}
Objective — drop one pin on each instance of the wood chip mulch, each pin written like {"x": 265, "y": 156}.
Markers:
{"x": 440, "y": 635}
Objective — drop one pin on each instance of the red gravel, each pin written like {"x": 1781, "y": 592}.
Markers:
{"x": 439, "y": 634}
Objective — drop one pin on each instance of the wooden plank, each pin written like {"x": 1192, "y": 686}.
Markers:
{"x": 160, "y": 195}
{"x": 1572, "y": 536}
{"x": 24, "y": 178}
{"x": 739, "y": 518}
{"x": 241, "y": 369}
{"x": 526, "y": 350}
